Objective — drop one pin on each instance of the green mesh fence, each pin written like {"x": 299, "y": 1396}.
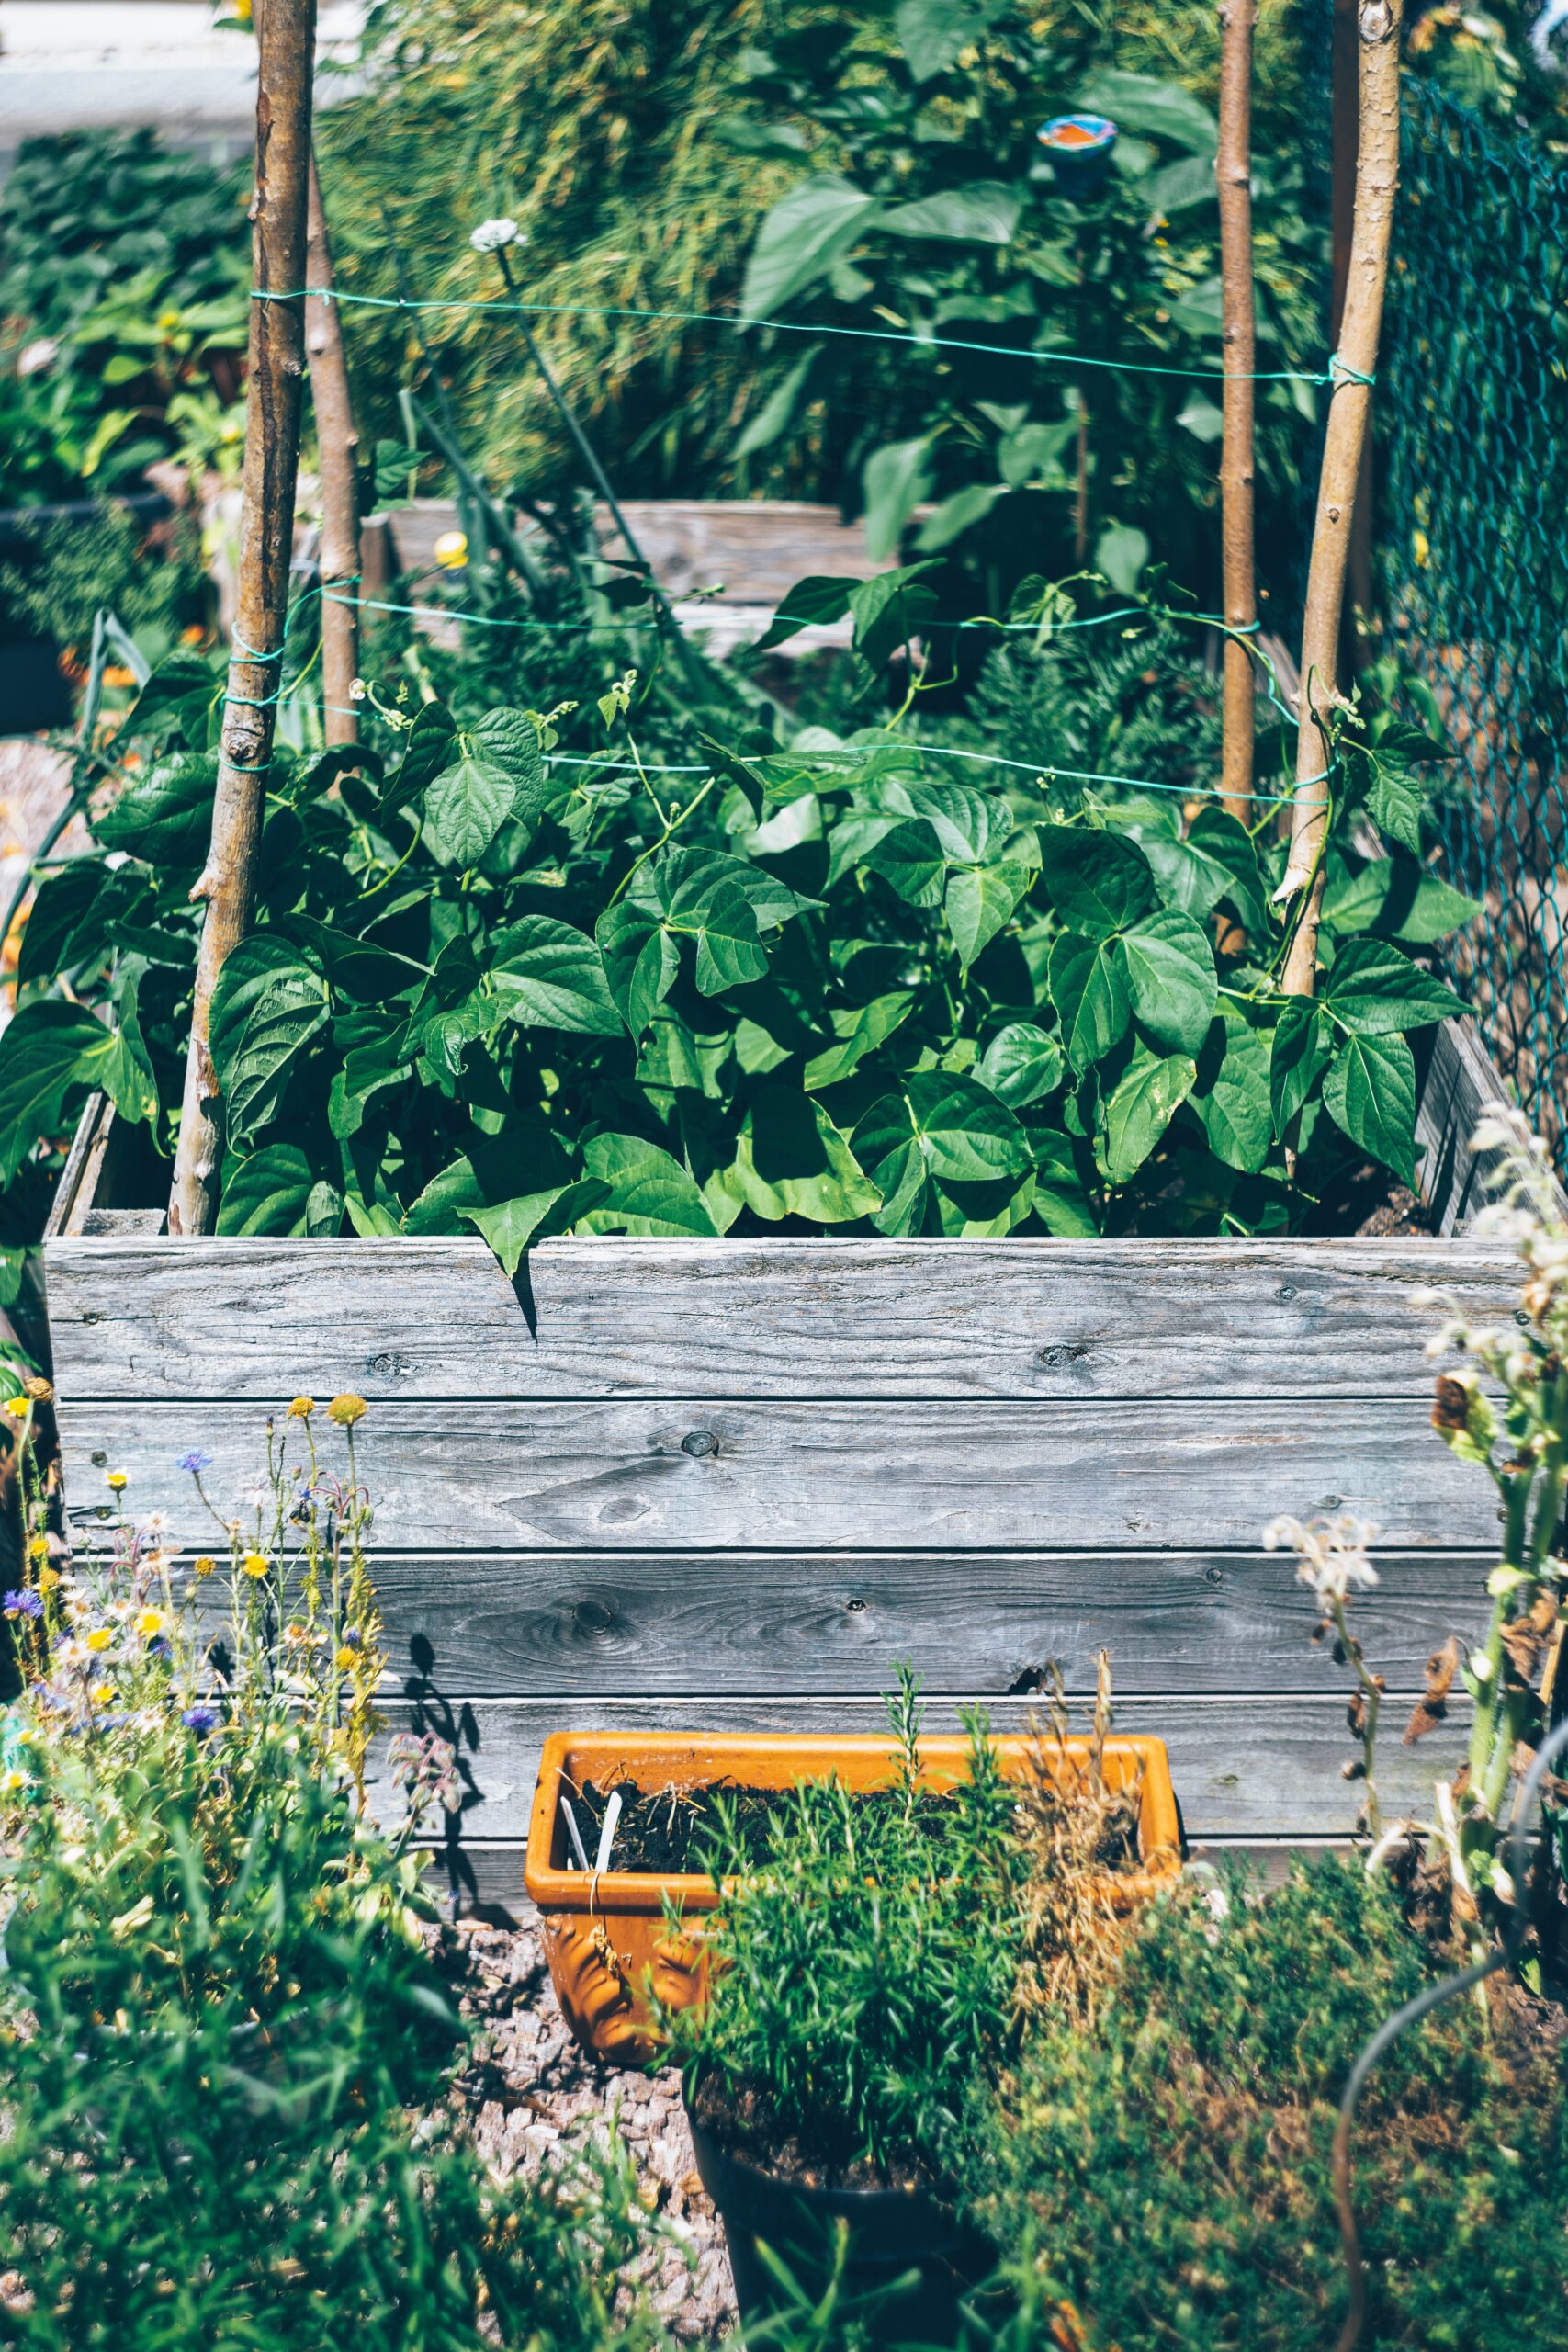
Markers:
{"x": 1473, "y": 534}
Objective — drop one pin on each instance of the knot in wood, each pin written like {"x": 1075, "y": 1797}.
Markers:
{"x": 1057, "y": 1359}
{"x": 1376, "y": 20}
{"x": 698, "y": 1442}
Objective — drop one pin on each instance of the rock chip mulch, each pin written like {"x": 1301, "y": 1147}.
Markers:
{"x": 530, "y": 2083}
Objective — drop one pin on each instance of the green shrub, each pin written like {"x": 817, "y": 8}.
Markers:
{"x": 864, "y": 1975}
{"x": 1166, "y": 2170}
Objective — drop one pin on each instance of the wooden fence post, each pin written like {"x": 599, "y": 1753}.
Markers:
{"x": 1377, "y": 182}
{"x": 339, "y": 443}
{"x": 285, "y": 57}
{"x": 1232, "y": 168}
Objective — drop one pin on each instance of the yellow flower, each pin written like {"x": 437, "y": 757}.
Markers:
{"x": 102, "y": 1693}
{"x": 13, "y": 1781}
{"x": 204, "y": 1566}
{"x": 47, "y": 1578}
{"x": 302, "y": 1408}
{"x": 38, "y": 1547}
{"x": 346, "y": 1410}
{"x": 117, "y": 1482}
{"x": 254, "y": 1564}
{"x": 100, "y": 1638}
{"x": 19, "y": 1406}
{"x": 345, "y": 1660}
{"x": 149, "y": 1623}
{"x": 452, "y": 550}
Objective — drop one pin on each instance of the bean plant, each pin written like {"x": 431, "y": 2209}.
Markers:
{"x": 800, "y": 977}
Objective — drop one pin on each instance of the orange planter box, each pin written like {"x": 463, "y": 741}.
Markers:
{"x": 606, "y": 1936}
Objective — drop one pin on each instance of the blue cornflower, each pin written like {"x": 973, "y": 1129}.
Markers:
{"x": 202, "y": 1717}
{"x": 195, "y": 1462}
{"x": 23, "y": 1604}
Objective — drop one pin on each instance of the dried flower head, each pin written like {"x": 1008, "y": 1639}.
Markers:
{"x": 346, "y": 1410}
{"x": 301, "y": 1407}
{"x": 203, "y": 1564}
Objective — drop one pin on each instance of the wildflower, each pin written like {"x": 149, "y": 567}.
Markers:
{"x": 38, "y": 1389}
{"x": 491, "y": 235}
{"x": 38, "y": 1547}
{"x": 202, "y": 1717}
{"x": 47, "y": 1578}
{"x": 203, "y": 1564}
{"x": 13, "y": 1781}
{"x": 149, "y": 1623}
{"x": 195, "y": 1462}
{"x": 117, "y": 1482}
{"x": 155, "y": 1523}
{"x": 101, "y": 1693}
{"x": 254, "y": 1564}
{"x": 1331, "y": 1553}
{"x": 99, "y": 1640}
{"x": 35, "y": 356}
{"x": 302, "y": 1408}
{"x": 18, "y": 1406}
{"x": 452, "y": 550}
{"x": 22, "y": 1604}
{"x": 359, "y": 691}
{"x": 346, "y": 1410}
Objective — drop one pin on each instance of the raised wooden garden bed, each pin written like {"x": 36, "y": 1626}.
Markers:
{"x": 725, "y": 1484}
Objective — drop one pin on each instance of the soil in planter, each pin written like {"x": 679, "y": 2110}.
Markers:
{"x": 671, "y": 1830}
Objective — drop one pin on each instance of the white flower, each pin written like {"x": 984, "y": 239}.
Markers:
{"x": 359, "y": 691}
{"x": 34, "y": 357}
{"x": 491, "y": 235}
{"x": 1331, "y": 1553}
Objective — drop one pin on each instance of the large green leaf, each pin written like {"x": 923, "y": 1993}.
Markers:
{"x": 1215, "y": 834}
{"x": 909, "y": 860}
{"x": 547, "y": 975}
{"x": 1147, "y": 1096}
{"x": 777, "y": 412}
{"x": 888, "y": 609}
{"x": 641, "y": 960}
{"x": 885, "y": 1144}
{"x": 965, "y": 1131}
{"x": 646, "y": 1192}
{"x": 165, "y": 816}
{"x": 981, "y": 901}
{"x": 59, "y": 929}
{"x": 1171, "y": 979}
{"x": 1231, "y": 1096}
{"x": 1370, "y": 1091}
{"x": 896, "y": 478}
{"x": 1394, "y": 897}
{"x": 1375, "y": 990}
{"x": 1161, "y": 109}
{"x": 957, "y": 513}
{"x": 933, "y": 34}
{"x": 792, "y": 1161}
{"x": 984, "y": 213}
{"x": 1089, "y": 992}
{"x": 512, "y": 1226}
{"x": 1098, "y": 882}
{"x": 800, "y": 239}
{"x": 813, "y": 603}
{"x": 270, "y": 1000}
{"x": 970, "y": 826}
{"x": 858, "y": 1031}
{"x": 509, "y": 739}
{"x": 270, "y": 1191}
{"x": 45, "y": 1050}
{"x": 465, "y": 806}
{"x": 730, "y": 951}
{"x": 1301, "y": 1048}
{"x": 1021, "y": 1063}
{"x": 427, "y": 751}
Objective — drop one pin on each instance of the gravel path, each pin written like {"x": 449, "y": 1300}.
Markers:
{"x": 530, "y": 2080}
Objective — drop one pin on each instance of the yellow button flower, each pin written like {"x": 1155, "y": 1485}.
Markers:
{"x": 117, "y": 1482}
{"x": 100, "y": 1639}
{"x": 346, "y": 1410}
{"x": 47, "y": 1578}
{"x": 102, "y": 1693}
{"x": 346, "y": 1660}
{"x": 203, "y": 1565}
{"x": 254, "y": 1564}
{"x": 302, "y": 1408}
{"x": 149, "y": 1623}
{"x": 18, "y": 1406}
{"x": 38, "y": 1547}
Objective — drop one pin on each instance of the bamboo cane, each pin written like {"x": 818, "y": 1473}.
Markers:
{"x": 285, "y": 57}
{"x": 1377, "y": 181}
{"x": 1232, "y": 168}
{"x": 339, "y": 443}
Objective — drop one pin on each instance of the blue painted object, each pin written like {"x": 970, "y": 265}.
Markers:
{"x": 1080, "y": 148}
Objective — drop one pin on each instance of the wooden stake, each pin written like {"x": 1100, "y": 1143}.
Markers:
{"x": 1233, "y": 167}
{"x": 1377, "y": 182}
{"x": 339, "y": 444}
{"x": 285, "y": 57}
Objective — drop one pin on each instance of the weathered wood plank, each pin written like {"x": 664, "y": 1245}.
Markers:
{"x": 699, "y": 1475}
{"x": 585, "y": 1623}
{"x": 1247, "y": 1766}
{"x": 1018, "y": 1318}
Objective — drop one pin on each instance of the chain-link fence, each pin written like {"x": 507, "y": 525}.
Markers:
{"x": 1471, "y": 523}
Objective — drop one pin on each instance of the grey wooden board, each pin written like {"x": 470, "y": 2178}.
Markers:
{"x": 1243, "y": 1766}
{"x": 701, "y": 1475}
{"x": 150, "y": 1317}
{"x": 579, "y": 1624}
{"x": 511, "y": 1623}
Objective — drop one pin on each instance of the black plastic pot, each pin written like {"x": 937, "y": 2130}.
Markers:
{"x": 893, "y": 2233}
